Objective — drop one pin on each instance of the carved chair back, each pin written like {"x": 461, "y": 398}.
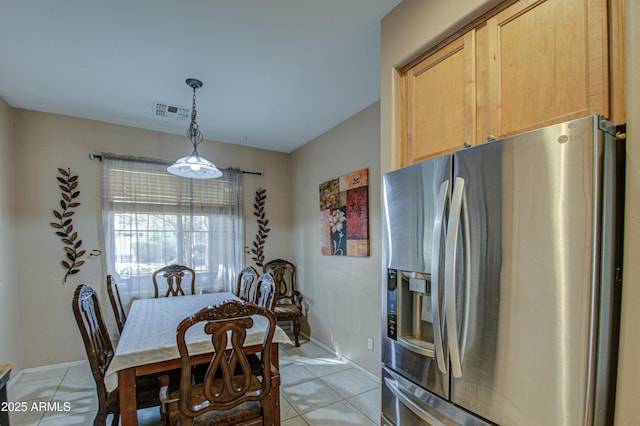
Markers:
{"x": 86, "y": 310}
{"x": 266, "y": 291}
{"x": 289, "y": 304}
{"x": 228, "y": 382}
{"x": 116, "y": 302}
{"x": 284, "y": 274}
{"x": 174, "y": 274}
{"x": 246, "y": 278}
{"x": 97, "y": 343}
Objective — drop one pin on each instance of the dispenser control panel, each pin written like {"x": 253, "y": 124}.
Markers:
{"x": 392, "y": 304}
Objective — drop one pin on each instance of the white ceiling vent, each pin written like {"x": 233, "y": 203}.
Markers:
{"x": 170, "y": 112}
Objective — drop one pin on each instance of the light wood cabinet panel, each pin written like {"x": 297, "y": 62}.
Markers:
{"x": 439, "y": 102}
{"x": 483, "y": 69}
{"x": 525, "y": 65}
{"x": 548, "y": 64}
{"x": 617, "y": 62}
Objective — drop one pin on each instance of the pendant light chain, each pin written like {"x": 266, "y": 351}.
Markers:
{"x": 194, "y": 134}
{"x": 194, "y": 166}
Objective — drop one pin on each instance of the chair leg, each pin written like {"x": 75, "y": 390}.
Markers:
{"x": 164, "y": 417}
{"x": 296, "y": 330}
{"x": 267, "y": 410}
{"x": 101, "y": 418}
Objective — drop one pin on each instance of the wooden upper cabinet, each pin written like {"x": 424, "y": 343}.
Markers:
{"x": 525, "y": 65}
{"x": 439, "y": 102}
{"x": 547, "y": 64}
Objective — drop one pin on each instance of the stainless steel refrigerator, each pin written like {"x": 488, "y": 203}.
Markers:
{"x": 501, "y": 298}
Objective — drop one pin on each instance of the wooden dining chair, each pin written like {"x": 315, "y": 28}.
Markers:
{"x": 289, "y": 302}
{"x": 116, "y": 302}
{"x": 174, "y": 275}
{"x": 97, "y": 344}
{"x": 266, "y": 291}
{"x": 246, "y": 278}
{"x": 230, "y": 393}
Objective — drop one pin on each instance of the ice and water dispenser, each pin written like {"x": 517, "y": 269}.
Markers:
{"x": 409, "y": 312}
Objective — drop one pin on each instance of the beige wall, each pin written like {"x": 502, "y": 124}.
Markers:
{"x": 342, "y": 293}
{"x": 10, "y": 341}
{"x": 415, "y": 25}
{"x": 44, "y": 142}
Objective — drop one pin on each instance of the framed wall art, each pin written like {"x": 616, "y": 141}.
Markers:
{"x": 344, "y": 215}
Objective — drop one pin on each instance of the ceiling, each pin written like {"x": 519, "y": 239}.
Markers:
{"x": 276, "y": 73}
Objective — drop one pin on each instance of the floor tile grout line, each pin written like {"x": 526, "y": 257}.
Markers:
{"x": 21, "y": 382}
{"x": 60, "y": 384}
{"x": 315, "y": 408}
{"x": 345, "y": 399}
{"x": 359, "y": 410}
{"x": 44, "y": 413}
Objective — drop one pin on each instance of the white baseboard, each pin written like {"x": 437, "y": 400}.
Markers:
{"x": 19, "y": 374}
{"x": 342, "y": 358}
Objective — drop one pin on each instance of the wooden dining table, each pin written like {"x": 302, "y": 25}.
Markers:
{"x": 148, "y": 345}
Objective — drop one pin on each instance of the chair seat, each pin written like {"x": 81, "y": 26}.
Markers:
{"x": 286, "y": 309}
{"x": 241, "y": 413}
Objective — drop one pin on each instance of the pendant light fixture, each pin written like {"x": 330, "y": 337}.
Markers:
{"x": 194, "y": 166}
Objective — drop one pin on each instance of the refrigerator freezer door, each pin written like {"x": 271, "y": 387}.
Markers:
{"x": 415, "y": 201}
{"x": 405, "y": 404}
{"x": 532, "y": 205}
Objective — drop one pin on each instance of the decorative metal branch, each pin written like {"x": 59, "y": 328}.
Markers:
{"x": 64, "y": 227}
{"x": 263, "y": 230}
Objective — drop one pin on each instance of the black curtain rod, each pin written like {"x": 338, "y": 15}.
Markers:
{"x": 98, "y": 157}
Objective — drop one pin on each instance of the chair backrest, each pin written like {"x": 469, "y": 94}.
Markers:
{"x": 266, "y": 291}
{"x": 116, "y": 302}
{"x": 246, "y": 278}
{"x": 174, "y": 275}
{"x": 228, "y": 381}
{"x": 284, "y": 274}
{"x": 95, "y": 336}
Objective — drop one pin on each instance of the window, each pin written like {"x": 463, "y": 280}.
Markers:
{"x": 153, "y": 219}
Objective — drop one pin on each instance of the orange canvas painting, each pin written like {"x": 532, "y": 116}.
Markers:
{"x": 344, "y": 215}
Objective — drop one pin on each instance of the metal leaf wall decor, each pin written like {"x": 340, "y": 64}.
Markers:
{"x": 263, "y": 229}
{"x": 64, "y": 226}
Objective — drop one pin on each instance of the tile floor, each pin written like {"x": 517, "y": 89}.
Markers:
{"x": 316, "y": 389}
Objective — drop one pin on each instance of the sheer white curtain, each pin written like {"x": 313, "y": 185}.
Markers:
{"x": 152, "y": 219}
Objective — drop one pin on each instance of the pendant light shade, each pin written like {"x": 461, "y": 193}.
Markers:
{"x": 194, "y": 166}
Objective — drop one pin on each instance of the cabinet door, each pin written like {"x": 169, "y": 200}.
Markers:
{"x": 547, "y": 64}
{"x": 439, "y": 102}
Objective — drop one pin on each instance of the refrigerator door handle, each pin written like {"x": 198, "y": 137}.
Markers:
{"x": 457, "y": 201}
{"x": 438, "y": 227}
{"x": 403, "y": 395}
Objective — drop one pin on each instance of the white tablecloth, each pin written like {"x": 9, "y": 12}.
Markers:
{"x": 149, "y": 334}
